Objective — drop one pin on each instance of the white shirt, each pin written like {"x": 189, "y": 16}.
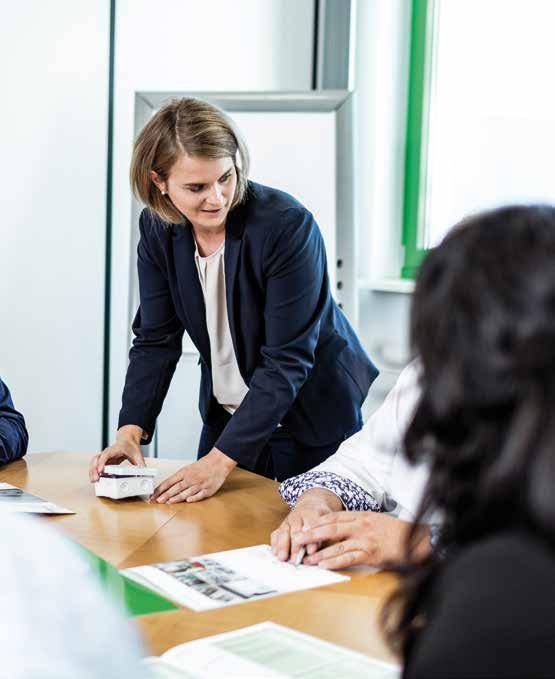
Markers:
{"x": 56, "y": 621}
{"x": 374, "y": 457}
{"x": 228, "y": 385}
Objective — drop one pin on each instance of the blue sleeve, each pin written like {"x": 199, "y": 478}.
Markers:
{"x": 157, "y": 345}
{"x": 13, "y": 432}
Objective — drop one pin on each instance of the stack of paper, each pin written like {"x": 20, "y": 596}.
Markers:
{"x": 266, "y": 650}
{"x": 13, "y": 499}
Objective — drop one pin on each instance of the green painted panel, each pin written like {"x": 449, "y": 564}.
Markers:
{"x": 417, "y": 134}
{"x": 132, "y": 597}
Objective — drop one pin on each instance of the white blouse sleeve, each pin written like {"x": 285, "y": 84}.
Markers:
{"x": 369, "y": 459}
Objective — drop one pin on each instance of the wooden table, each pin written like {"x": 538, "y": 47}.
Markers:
{"x": 244, "y": 512}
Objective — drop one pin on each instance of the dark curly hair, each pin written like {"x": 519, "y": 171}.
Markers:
{"x": 483, "y": 325}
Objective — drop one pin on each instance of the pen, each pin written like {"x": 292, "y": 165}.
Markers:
{"x": 300, "y": 556}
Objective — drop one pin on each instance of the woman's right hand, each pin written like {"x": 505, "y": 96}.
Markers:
{"x": 311, "y": 506}
{"x": 126, "y": 447}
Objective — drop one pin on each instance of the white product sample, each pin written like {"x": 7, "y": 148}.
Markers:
{"x": 15, "y": 500}
{"x": 120, "y": 481}
{"x": 266, "y": 650}
{"x": 231, "y": 577}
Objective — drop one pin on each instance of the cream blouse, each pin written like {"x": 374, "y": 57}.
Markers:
{"x": 228, "y": 386}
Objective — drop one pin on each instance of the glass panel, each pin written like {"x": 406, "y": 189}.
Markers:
{"x": 492, "y": 110}
{"x": 132, "y": 597}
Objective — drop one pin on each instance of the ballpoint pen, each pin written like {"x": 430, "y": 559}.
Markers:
{"x": 300, "y": 556}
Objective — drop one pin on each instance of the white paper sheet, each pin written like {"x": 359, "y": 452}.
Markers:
{"x": 231, "y": 577}
{"x": 267, "y": 650}
{"x": 13, "y": 499}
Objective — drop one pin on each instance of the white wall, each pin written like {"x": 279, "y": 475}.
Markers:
{"x": 185, "y": 45}
{"x": 296, "y": 153}
{"x": 53, "y": 123}
{"x": 382, "y": 63}
{"x": 381, "y": 79}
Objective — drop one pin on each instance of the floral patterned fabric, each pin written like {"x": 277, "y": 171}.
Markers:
{"x": 353, "y": 497}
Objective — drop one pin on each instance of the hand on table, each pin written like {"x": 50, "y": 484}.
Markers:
{"x": 126, "y": 447}
{"x": 196, "y": 481}
{"x": 356, "y": 538}
{"x": 311, "y": 506}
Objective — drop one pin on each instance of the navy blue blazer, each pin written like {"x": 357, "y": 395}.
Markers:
{"x": 296, "y": 351}
{"x": 13, "y": 433}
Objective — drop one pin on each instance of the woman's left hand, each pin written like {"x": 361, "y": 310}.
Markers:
{"x": 196, "y": 481}
{"x": 369, "y": 538}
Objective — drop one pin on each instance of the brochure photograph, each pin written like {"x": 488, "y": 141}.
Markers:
{"x": 232, "y": 577}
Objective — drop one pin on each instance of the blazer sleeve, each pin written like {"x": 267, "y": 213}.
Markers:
{"x": 157, "y": 345}
{"x": 297, "y": 291}
{"x": 13, "y": 432}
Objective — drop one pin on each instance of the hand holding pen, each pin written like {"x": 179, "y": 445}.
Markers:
{"x": 308, "y": 511}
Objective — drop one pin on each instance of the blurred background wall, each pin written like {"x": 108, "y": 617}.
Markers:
{"x": 53, "y": 125}
{"x": 56, "y": 163}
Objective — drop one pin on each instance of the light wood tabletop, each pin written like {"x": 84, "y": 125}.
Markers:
{"x": 248, "y": 507}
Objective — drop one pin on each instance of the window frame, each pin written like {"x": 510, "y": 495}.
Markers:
{"x": 422, "y": 47}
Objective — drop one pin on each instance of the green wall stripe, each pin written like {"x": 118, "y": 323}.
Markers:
{"x": 416, "y": 138}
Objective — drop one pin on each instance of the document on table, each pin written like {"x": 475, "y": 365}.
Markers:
{"x": 13, "y": 499}
{"x": 266, "y": 650}
{"x": 232, "y": 577}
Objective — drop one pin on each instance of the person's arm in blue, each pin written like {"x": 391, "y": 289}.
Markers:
{"x": 13, "y": 432}
{"x": 153, "y": 358}
{"x": 157, "y": 344}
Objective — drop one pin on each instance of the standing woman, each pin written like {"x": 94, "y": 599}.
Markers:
{"x": 242, "y": 269}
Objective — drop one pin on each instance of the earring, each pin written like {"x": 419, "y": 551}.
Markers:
{"x": 163, "y": 193}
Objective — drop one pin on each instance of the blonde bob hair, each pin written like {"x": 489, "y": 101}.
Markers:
{"x": 189, "y": 126}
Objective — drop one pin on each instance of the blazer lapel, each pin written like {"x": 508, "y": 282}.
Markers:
{"x": 233, "y": 241}
{"x": 190, "y": 291}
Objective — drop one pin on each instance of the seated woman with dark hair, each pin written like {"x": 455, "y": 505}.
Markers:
{"x": 483, "y": 325}
{"x": 13, "y": 433}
